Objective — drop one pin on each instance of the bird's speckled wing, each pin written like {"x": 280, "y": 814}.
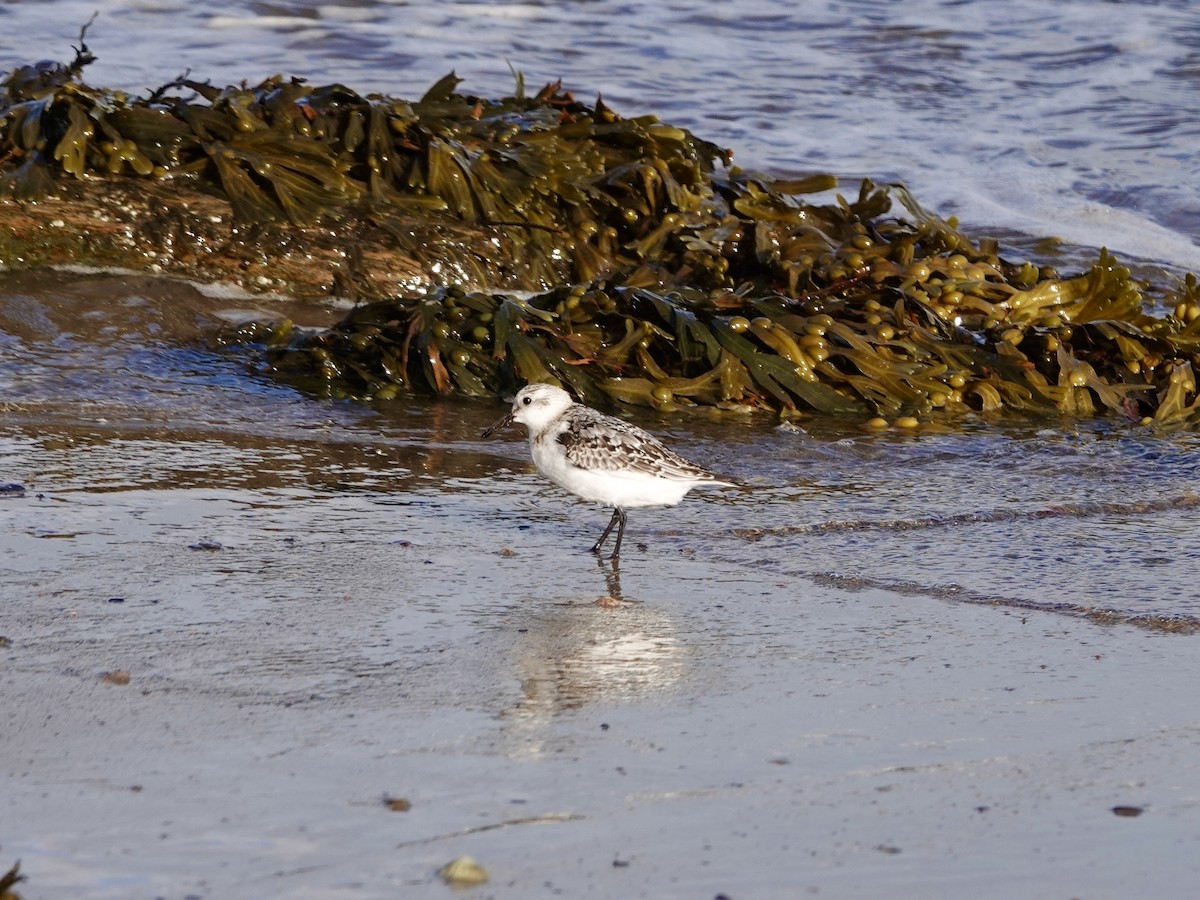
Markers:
{"x": 602, "y": 443}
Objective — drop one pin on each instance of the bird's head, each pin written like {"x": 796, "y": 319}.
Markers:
{"x": 534, "y": 406}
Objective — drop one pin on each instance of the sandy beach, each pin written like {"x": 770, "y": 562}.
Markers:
{"x": 240, "y": 621}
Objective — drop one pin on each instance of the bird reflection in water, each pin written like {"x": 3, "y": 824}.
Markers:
{"x": 574, "y": 654}
{"x": 614, "y": 599}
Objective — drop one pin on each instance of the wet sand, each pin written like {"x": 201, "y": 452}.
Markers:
{"x": 322, "y": 605}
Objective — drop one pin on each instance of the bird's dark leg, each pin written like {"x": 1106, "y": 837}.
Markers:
{"x": 620, "y": 534}
{"x": 617, "y": 516}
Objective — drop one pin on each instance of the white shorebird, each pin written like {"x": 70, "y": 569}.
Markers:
{"x": 601, "y": 458}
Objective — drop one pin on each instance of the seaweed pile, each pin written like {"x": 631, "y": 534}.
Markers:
{"x": 896, "y": 319}
{"x": 657, "y": 272}
{"x": 572, "y": 184}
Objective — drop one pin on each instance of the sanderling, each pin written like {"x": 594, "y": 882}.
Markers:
{"x": 601, "y": 458}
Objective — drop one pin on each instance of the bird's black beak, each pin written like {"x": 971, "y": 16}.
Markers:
{"x": 504, "y": 421}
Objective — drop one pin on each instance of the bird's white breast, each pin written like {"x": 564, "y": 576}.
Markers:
{"x": 627, "y": 489}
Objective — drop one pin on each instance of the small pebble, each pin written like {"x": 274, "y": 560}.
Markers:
{"x": 463, "y": 870}
{"x": 1128, "y": 812}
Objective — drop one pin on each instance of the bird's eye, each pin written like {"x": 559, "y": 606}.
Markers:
{"x": 527, "y": 400}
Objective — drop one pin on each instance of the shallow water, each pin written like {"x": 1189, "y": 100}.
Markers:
{"x": 238, "y": 618}
{"x": 132, "y": 398}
